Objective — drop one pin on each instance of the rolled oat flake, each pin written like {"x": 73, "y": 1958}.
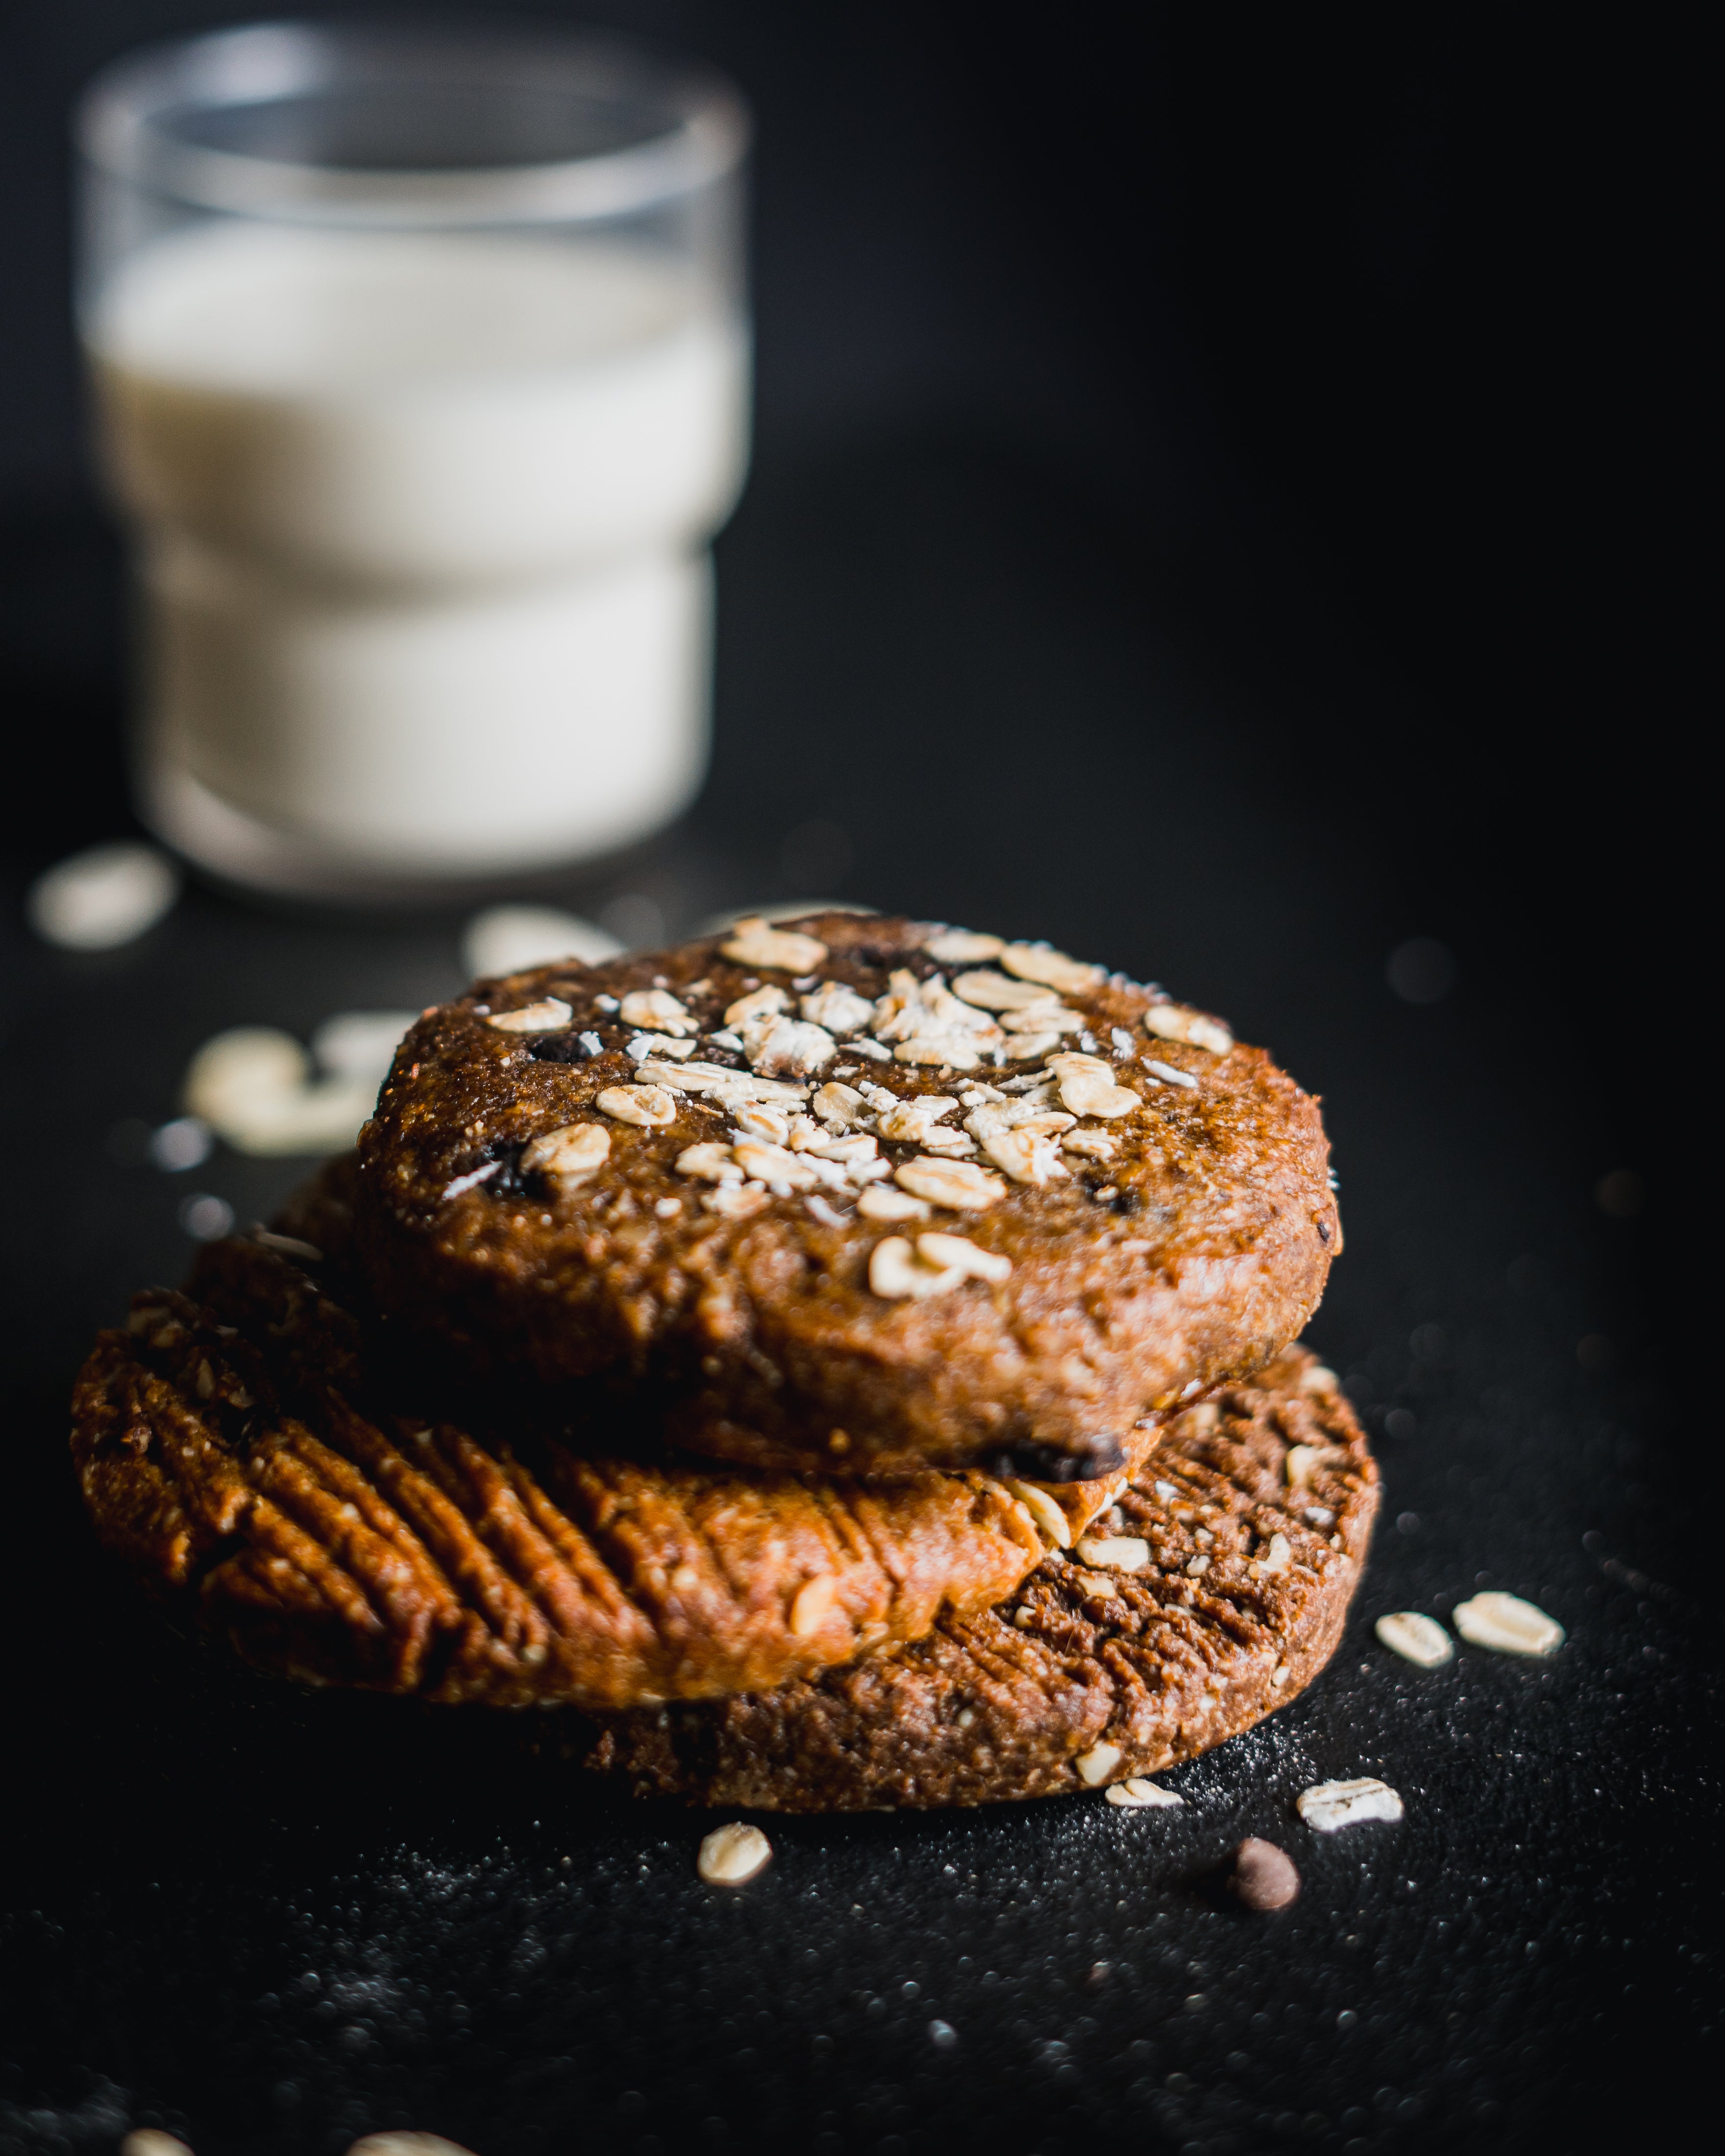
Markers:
{"x": 1508, "y": 1626}
{"x": 1416, "y": 1638}
{"x": 732, "y": 1855}
{"x": 1328, "y": 1806}
{"x": 1140, "y": 1794}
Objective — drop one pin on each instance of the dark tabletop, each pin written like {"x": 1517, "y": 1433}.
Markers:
{"x": 954, "y": 686}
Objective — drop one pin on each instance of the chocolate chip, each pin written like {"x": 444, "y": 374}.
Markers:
{"x": 508, "y": 1181}
{"x": 1263, "y": 1876}
{"x": 566, "y": 1047}
{"x": 1043, "y": 1463}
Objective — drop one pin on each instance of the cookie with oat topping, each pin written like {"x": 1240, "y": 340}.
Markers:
{"x": 1214, "y": 1593}
{"x": 852, "y": 1193}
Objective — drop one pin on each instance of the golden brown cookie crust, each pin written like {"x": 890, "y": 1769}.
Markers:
{"x": 1188, "y": 1246}
{"x": 237, "y": 1455}
{"x": 1085, "y": 1675}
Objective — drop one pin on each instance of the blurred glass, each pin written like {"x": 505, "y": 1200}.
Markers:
{"x": 421, "y": 366}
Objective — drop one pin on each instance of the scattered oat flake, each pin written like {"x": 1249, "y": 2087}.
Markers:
{"x": 959, "y": 946}
{"x": 1056, "y": 1528}
{"x": 999, "y": 991}
{"x": 1140, "y": 1794}
{"x": 1030, "y": 1048}
{"x": 1303, "y": 1462}
{"x": 1043, "y": 1020}
{"x": 1175, "y": 1022}
{"x": 1027, "y": 1155}
{"x": 152, "y": 2141}
{"x": 732, "y": 1855}
{"x": 752, "y": 942}
{"x": 837, "y": 1008}
{"x": 1089, "y": 1145}
{"x": 1118, "y": 1553}
{"x": 1094, "y": 1766}
{"x": 1036, "y": 962}
{"x": 898, "y": 1273}
{"x": 1278, "y": 1557}
{"x": 1507, "y": 1625}
{"x": 842, "y": 1104}
{"x": 976, "y": 1264}
{"x": 736, "y": 1201}
{"x": 649, "y": 1107}
{"x": 910, "y": 1121}
{"x": 1328, "y": 1806}
{"x": 103, "y": 897}
{"x": 252, "y": 1086}
{"x": 1087, "y": 1087}
{"x": 1168, "y": 1075}
{"x": 657, "y": 1011}
{"x": 710, "y": 1160}
{"x": 549, "y": 1015}
{"x": 958, "y": 1184}
{"x": 891, "y": 1205}
{"x": 774, "y": 1164}
{"x": 573, "y": 1155}
{"x": 764, "y": 1004}
{"x": 1318, "y": 1379}
{"x": 790, "y": 1047}
{"x": 857, "y": 1150}
{"x": 829, "y": 1216}
{"x": 1416, "y": 1638}
{"x": 725, "y": 1085}
{"x": 764, "y": 1120}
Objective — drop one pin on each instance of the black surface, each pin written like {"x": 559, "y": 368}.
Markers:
{"x": 1232, "y": 620}
{"x": 273, "y": 1927}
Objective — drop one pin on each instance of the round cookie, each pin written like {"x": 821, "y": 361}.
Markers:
{"x": 240, "y": 1453}
{"x": 1254, "y": 1515}
{"x": 859, "y": 1194}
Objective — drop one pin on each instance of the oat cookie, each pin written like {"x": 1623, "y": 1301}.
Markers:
{"x": 1092, "y": 1672}
{"x": 852, "y": 1193}
{"x": 249, "y": 1460}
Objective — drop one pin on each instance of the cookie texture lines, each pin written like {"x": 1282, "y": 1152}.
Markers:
{"x": 829, "y": 1251}
{"x": 231, "y": 1456}
{"x": 1084, "y": 1676}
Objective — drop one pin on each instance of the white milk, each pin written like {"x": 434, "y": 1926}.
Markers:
{"x": 424, "y": 522}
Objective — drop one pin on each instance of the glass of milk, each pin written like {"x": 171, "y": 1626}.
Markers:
{"x": 421, "y": 369}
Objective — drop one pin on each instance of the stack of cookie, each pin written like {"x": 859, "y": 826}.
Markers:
{"x": 841, "y": 1364}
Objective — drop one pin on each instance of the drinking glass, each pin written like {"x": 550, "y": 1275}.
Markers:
{"x": 421, "y": 374}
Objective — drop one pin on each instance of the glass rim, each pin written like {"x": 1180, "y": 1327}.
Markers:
{"x": 120, "y": 131}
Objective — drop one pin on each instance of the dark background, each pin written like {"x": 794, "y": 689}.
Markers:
{"x": 1216, "y": 503}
